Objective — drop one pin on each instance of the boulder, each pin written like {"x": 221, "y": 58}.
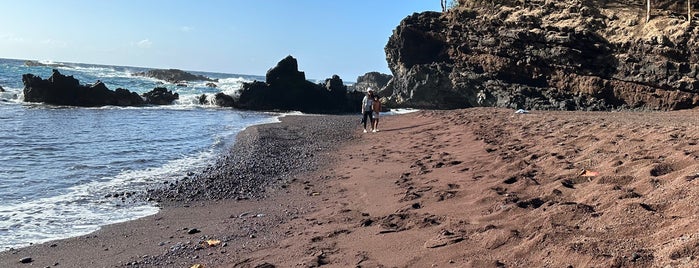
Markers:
{"x": 211, "y": 85}
{"x": 286, "y": 88}
{"x": 2, "y": 89}
{"x": 553, "y": 55}
{"x": 223, "y": 100}
{"x": 160, "y": 96}
{"x": 174, "y": 76}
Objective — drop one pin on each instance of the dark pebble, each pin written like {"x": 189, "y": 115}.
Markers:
{"x": 193, "y": 231}
{"x": 26, "y": 260}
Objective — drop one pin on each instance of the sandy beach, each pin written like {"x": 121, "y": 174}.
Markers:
{"x": 481, "y": 187}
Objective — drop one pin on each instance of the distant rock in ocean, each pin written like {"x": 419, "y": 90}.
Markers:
{"x": 174, "y": 76}
{"x": 286, "y": 88}
{"x": 374, "y": 80}
{"x": 66, "y": 90}
{"x": 544, "y": 55}
{"x": 36, "y": 63}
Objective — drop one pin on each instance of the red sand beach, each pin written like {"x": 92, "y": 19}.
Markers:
{"x": 480, "y": 187}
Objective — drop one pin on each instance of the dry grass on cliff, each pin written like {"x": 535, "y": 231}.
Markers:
{"x": 622, "y": 22}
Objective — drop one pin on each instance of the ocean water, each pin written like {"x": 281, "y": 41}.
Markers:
{"x": 61, "y": 166}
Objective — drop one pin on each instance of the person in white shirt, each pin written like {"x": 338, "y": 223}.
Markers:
{"x": 367, "y": 104}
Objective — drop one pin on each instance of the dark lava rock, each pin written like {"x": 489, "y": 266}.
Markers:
{"x": 173, "y": 75}
{"x": 526, "y": 57}
{"x": 66, "y": 90}
{"x": 223, "y": 100}
{"x": 193, "y": 231}
{"x": 26, "y": 260}
{"x": 160, "y": 96}
{"x": 287, "y": 89}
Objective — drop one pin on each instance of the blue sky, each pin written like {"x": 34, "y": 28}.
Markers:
{"x": 344, "y": 37}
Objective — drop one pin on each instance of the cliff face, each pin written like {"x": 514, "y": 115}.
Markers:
{"x": 561, "y": 55}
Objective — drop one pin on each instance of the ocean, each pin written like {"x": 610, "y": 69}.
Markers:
{"x": 64, "y": 171}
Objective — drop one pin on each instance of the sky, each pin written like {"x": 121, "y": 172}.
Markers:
{"x": 343, "y": 37}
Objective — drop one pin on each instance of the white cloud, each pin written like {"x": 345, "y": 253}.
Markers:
{"x": 145, "y": 43}
{"x": 186, "y": 29}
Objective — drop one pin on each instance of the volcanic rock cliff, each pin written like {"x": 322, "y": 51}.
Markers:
{"x": 546, "y": 54}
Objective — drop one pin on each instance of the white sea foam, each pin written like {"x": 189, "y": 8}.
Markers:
{"x": 402, "y": 111}
{"x": 85, "y": 207}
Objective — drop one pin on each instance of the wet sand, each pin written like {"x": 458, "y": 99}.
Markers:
{"x": 478, "y": 187}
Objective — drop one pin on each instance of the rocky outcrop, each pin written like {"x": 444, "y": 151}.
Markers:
{"x": 66, "y": 90}
{"x": 286, "y": 88}
{"x": 223, "y": 100}
{"x": 373, "y": 80}
{"x": 174, "y": 76}
{"x": 561, "y": 55}
{"x": 160, "y": 96}
{"x": 33, "y": 63}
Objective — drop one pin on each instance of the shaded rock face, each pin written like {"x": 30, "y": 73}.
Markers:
{"x": 223, "y": 100}
{"x": 373, "y": 80}
{"x": 174, "y": 76}
{"x": 286, "y": 88}
{"x": 160, "y": 96}
{"x": 66, "y": 90}
{"x": 560, "y": 55}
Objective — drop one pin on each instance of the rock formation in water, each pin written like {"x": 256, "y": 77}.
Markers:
{"x": 286, "y": 88}
{"x": 174, "y": 76}
{"x": 545, "y": 54}
{"x": 66, "y": 90}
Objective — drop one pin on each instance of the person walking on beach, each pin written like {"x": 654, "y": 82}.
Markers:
{"x": 367, "y": 104}
{"x": 376, "y": 108}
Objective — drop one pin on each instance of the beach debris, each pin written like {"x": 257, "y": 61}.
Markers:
{"x": 587, "y": 173}
{"x": 197, "y": 266}
{"x": 692, "y": 177}
{"x": 212, "y": 243}
{"x": 521, "y": 111}
{"x": 26, "y": 260}
{"x": 193, "y": 231}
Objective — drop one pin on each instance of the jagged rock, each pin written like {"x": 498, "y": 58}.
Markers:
{"x": 66, "y": 90}
{"x": 160, "y": 96}
{"x": 211, "y": 85}
{"x": 374, "y": 80}
{"x": 286, "y": 88}
{"x": 2, "y": 89}
{"x": 223, "y": 100}
{"x": 561, "y": 55}
{"x": 174, "y": 76}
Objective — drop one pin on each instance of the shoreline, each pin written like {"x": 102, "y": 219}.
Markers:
{"x": 479, "y": 187}
{"x": 265, "y": 161}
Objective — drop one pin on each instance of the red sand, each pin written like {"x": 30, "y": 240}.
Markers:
{"x": 478, "y": 187}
